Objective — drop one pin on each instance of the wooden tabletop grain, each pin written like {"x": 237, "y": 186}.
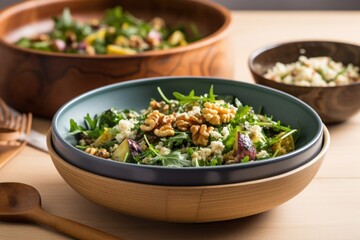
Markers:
{"x": 329, "y": 208}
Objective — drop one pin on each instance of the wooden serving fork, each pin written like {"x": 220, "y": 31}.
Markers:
{"x": 14, "y": 129}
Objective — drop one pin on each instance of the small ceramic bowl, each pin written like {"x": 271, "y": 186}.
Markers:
{"x": 136, "y": 95}
{"x": 333, "y": 104}
{"x": 189, "y": 204}
{"x": 49, "y": 79}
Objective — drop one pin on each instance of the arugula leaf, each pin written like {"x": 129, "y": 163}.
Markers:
{"x": 65, "y": 21}
{"x": 211, "y": 93}
{"x": 74, "y": 127}
{"x": 178, "y": 139}
{"x": 229, "y": 142}
{"x": 174, "y": 159}
{"x": 163, "y": 95}
{"x": 281, "y": 136}
{"x": 113, "y": 17}
{"x": 242, "y": 114}
{"x": 191, "y": 97}
{"x": 110, "y": 118}
{"x": 65, "y": 24}
{"x": 91, "y": 123}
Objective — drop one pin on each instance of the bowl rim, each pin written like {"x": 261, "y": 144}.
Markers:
{"x": 208, "y": 40}
{"x": 282, "y": 94}
{"x": 257, "y": 52}
{"x": 324, "y": 148}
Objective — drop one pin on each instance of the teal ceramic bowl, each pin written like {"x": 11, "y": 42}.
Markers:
{"x": 136, "y": 95}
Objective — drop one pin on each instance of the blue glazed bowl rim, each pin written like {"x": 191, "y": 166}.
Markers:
{"x": 133, "y": 83}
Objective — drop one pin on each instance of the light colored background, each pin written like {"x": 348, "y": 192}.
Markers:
{"x": 271, "y": 4}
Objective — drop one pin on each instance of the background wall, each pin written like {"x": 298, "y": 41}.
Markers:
{"x": 271, "y": 4}
{"x": 291, "y": 4}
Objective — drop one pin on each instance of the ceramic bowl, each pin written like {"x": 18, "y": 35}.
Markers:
{"x": 48, "y": 80}
{"x": 136, "y": 95}
{"x": 333, "y": 104}
{"x": 189, "y": 204}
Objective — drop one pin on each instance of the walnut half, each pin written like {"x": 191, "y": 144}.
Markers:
{"x": 160, "y": 123}
{"x": 217, "y": 115}
{"x": 200, "y": 134}
{"x": 184, "y": 122}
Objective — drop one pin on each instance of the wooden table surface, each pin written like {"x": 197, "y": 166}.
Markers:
{"x": 329, "y": 208}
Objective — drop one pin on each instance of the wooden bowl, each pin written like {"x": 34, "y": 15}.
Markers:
{"x": 190, "y": 204}
{"x": 333, "y": 104}
{"x": 40, "y": 82}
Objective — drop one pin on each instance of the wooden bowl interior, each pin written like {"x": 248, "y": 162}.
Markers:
{"x": 189, "y": 204}
{"x": 34, "y": 17}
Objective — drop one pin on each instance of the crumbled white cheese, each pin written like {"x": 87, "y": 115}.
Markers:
{"x": 255, "y": 133}
{"x": 225, "y": 132}
{"x": 217, "y": 147}
{"x": 247, "y": 125}
{"x": 262, "y": 154}
{"x": 196, "y": 110}
{"x": 215, "y": 134}
{"x": 164, "y": 151}
{"x": 201, "y": 154}
{"x": 159, "y": 145}
{"x": 124, "y": 127}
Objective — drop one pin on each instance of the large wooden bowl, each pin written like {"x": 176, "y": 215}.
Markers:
{"x": 190, "y": 204}
{"x": 41, "y": 82}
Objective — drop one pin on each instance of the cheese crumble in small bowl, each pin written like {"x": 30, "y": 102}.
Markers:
{"x": 323, "y": 74}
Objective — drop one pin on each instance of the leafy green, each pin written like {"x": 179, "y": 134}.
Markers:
{"x": 113, "y": 17}
{"x": 191, "y": 97}
{"x": 242, "y": 114}
{"x": 65, "y": 25}
{"x": 195, "y": 32}
{"x": 174, "y": 159}
{"x": 178, "y": 139}
{"x": 163, "y": 95}
{"x": 94, "y": 126}
{"x": 24, "y": 42}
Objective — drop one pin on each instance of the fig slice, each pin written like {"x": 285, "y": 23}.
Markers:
{"x": 244, "y": 147}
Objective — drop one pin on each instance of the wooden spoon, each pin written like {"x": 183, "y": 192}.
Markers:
{"x": 22, "y": 203}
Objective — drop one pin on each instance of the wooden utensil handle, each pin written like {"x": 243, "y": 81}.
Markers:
{"x": 69, "y": 227}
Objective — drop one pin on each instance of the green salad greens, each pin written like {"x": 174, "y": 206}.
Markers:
{"x": 117, "y": 33}
{"x": 187, "y": 131}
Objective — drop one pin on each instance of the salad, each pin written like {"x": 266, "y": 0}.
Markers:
{"x": 117, "y": 33}
{"x": 187, "y": 131}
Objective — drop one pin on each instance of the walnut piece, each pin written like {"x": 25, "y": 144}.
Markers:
{"x": 217, "y": 115}
{"x": 200, "y": 134}
{"x": 161, "y": 106}
{"x": 165, "y": 131}
{"x": 184, "y": 122}
{"x": 160, "y": 123}
{"x": 99, "y": 152}
{"x": 151, "y": 121}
